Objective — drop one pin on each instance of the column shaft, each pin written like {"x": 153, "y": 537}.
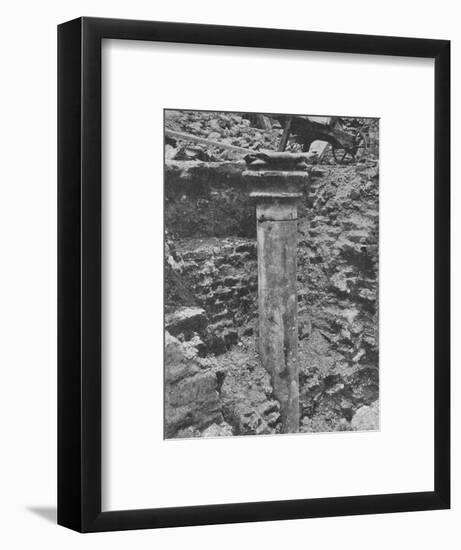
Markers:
{"x": 278, "y": 330}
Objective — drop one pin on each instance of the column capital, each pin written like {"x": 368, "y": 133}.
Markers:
{"x": 276, "y": 175}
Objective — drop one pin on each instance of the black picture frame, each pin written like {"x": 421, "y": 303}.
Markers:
{"x": 79, "y": 274}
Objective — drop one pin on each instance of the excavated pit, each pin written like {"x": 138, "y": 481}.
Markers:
{"x": 211, "y": 302}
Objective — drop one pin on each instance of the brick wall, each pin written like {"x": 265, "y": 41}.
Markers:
{"x": 222, "y": 275}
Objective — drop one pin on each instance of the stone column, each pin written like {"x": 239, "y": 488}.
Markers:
{"x": 276, "y": 181}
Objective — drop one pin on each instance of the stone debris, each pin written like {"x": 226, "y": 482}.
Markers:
{"x": 229, "y": 128}
{"x": 246, "y": 392}
{"x": 218, "y": 430}
{"x": 366, "y": 418}
{"x": 191, "y": 396}
{"x": 187, "y": 321}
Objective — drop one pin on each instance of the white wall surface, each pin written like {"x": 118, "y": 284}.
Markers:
{"x": 28, "y": 274}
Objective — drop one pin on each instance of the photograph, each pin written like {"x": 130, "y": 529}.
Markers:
{"x": 228, "y": 294}
{"x": 271, "y": 273}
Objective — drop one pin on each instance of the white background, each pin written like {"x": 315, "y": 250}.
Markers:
{"x": 28, "y": 296}
{"x": 251, "y": 468}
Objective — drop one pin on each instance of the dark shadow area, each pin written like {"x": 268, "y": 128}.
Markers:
{"x": 48, "y": 513}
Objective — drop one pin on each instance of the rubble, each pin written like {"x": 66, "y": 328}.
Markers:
{"x": 191, "y": 397}
{"x": 186, "y": 321}
{"x": 228, "y": 128}
{"x": 366, "y": 418}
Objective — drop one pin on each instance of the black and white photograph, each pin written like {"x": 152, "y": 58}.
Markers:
{"x": 271, "y": 272}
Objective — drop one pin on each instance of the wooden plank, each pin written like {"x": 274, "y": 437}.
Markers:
{"x": 189, "y": 137}
{"x": 285, "y": 135}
